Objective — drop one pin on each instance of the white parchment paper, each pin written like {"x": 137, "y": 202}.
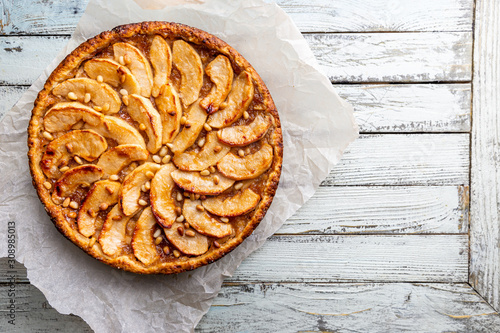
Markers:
{"x": 317, "y": 127}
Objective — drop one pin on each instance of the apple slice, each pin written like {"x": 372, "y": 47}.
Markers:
{"x": 191, "y": 246}
{"x": 170, "y": 109}
{"x": 211, "y": 153}
{"x": 203, "y": 222}
{"x": 113, "y": 236}
{"x": 239, "y": 204}
{"x": 83, "y": 143}
{"x": 115, "y": 159}
{"x": 238, "y": 101}
{"x": 142, "y": 110}
{"x": 62, "y": 116}
{"x": 119, "y": 130}
{"x": 247, "y": 167}
{"x": 101, "y": 94}
{"x": 131, "y": 188}
{"x": 143, "y": 243}
{"x": 137, "y": 63}
{"x": 188, "y": 62}
{"x": 221, "y": 73}
{"x": 113, "y": 74}
{"x": 102, "y": 194}
{"x": 212, "y": 184}
{"x": 160, "y": 196}
{"x": 195, "y": 119}
{"x": 161, "y": 59}
{"x": 243, "y": 135}
{"x": 74, "y": 178}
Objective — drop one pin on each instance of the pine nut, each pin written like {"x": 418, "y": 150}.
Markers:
{"x": 142, "y": 202}
{"x": 125, "y": 100}
{"x": 103, "y": 206}
{"x": 190, "y": 233}
{"x": 241, "y": 152}
{"x": 178, "y": 210}
{"x": 246, "y": 115}
{"x": 155, "y": 92}
{"x": 180, "y": 230}
{"x": 216, "y": 244}
{"x": 64, "y": 169}
{"x": 105, "y": 107}
{"x": 211, "y": 169}
{"x": 157, "y": 159}
{"x": 163, "y": 151}
{"x": 183, "y": 120}
{"x": 170, "y": 145}
{"x": 204, "y": 173}
{"x": 166, "y": 159}
{"x": 196, "y": 196}
{"x": 191, "y": 196}
{"x": 217, "y": 149}
{"x": 223, "y": 105}
{"x": 158, "y": 240}
{"x": 116, "y": 218}
{"x": 100, "y": 79}
{"x": 143, "y": 188}
{"x": 87, "y": 98}
{"x": 66, "y": 202}
{"x": 179, "y": 196}
{"x": 72, "y": 96}
{"x": 201, "y": 142}
{"x": 166, "y": 249}
{"x": 113, "y": 177}
{"x": 91, "y": 212}
{"x": 207, "y": 127}
{"x": 78, "y": 160}
{"x": 127, "y": 59}
{"x": 186, "y": 225}
{"x": 200, "y": 208}
{"x": 92, "y": 241}
{"x": 142, "y": 127}
{"x": 109, "y": 190}
{"x": 73, "y": 204}
{"x": 124, "y": 92}
{"x": 47, "y": 135}
{"x": 224, "y": 219}
{"x": 187, "y": 125}
{"x": 157, "y": 233}
{"x": 180, "y": 218}
{"x": 47, "y": 185}
{"x": 150, "y": 174}
{"x": 216, "y": 180}
{"x": 97, "y": 108}
{"x": 121, "y": 60}
{"x": 72, "y": 215}
{"x": 147, "y": 185}
{"x": 238, "y": 186}
{"x": 177, "y": 254}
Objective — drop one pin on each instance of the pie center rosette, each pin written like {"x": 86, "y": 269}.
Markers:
{"x": 155, "y": 147}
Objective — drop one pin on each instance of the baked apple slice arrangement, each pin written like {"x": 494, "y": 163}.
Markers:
{"x": 157, "y": 150}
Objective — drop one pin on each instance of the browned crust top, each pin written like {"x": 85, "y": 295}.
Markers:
{"x": 66, "y": 70}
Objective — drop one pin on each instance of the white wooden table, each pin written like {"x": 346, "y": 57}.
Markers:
{"x": 404, "y": 234}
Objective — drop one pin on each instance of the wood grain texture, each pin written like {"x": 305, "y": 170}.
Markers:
{"x": 51, "y": 17}
{"x": 9, "y": 95}
{"x": 410, "y": 159}
{"x": 356, "y": 258}
{"x": 386, "y": 57}
{"x": 380, "y": 15}
{"x": 24, "y": 58}
{"x": 398, "y": 307}
{"x": 485, "y": 173}
{"x": 407, "y": 108}
{"x": 385, "y": 209}
{"x": 34, "y": 314}
{"x": 394, "y": 57}
{"x": 390, "y": 307}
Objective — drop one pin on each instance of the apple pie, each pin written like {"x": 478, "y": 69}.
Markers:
{"x": 155, "y": 147}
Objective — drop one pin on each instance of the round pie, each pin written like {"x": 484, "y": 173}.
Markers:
{"x": 155, "y": 147}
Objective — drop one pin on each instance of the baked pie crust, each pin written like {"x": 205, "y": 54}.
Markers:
{"x": 155, "y": 147}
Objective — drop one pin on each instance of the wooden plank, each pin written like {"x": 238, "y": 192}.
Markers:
{"x": 407, "y": 108}
{"x": 409, "y": 159}
{"x": 398, "y": 307}
{"x": 24, "y": 58}
{"x": 381, "y": 57}
{"x": 380, "y": 15}
{"x": 485, "y": 165}
{"x": 394, "y": 57}
{"x": 386, "y": 209}
{"x": 356, "y": 258}
{"x": 34, "y": 314}
{"x": 54, "y": 17}
{"x": 388, "y": 108}
{"x": 390, "y": 307}
{"x": 341, "y": 258}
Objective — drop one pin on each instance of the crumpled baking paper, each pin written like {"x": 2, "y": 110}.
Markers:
{"x": 317, "y": 127}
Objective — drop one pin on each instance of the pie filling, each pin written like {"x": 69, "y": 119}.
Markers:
{"x": 156, "y": 150}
